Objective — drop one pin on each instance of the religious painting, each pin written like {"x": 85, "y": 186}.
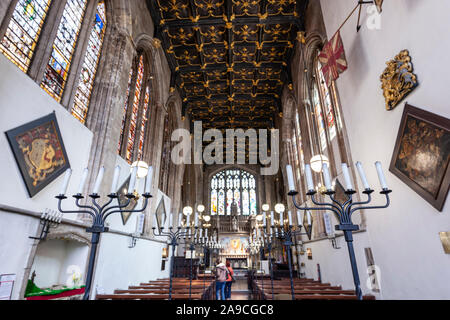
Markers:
{"x": 235, "y": 245}
{"x": 161, "y": 214}
{"x": 379, "y": 5}
{"x": 398, "y": 80}
{"x": 122, "y": 192}
{"x": 422, "y": 154}
{"x": 39, "y": 152}
{"x": 445, "y": 240}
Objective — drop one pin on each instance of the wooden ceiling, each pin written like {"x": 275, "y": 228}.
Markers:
{"x": 230, "y": 59}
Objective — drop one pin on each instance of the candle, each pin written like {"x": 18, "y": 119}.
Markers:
{"x": 133, "y": 179}
{"x": 188, "y": 221}
{"x": 149, "y": 181}
{"x": 290, "y": 219}
{"x": 171, "y": 220}
{"x": 180, "y": 219}
{"x": 272, "y": 218}
{"x": 362, "y": 175}
{"x": 155, "y": 222}
{"x": 299, "y": 218}
{"x": 196, "y": 219}
{"x": 115, "y": 183}
{"x": 381, "y": 176}
{"x": 348, "y": 180}
{"x": 99, "y": 180}
{"x": 66, "y": 181}
{"x": 281, "y": 219}
{"x": 201, "y": 233}
{"x": 83, "y": 181}
{"x": 206, "y": 233}
{"x": 265, "y": 219}
{"x": 290, "y": 176}
{"x": 309, "y": 178}
{"x": 327, "y": 176}
{"x": 309, "y": 218}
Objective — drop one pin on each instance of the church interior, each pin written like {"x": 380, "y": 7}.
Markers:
{"x": 117, "y": 183}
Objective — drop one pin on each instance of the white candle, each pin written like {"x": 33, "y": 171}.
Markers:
{"x": 290, "y": 176}
{"x": 348, "y": 180}
{"x": 381, "y": 176}
{"x": 149, "y": 181}
{"x": 327, "y": 176}
{"x": 206, "y": 233}
{"x": 265, "y": 219}
{"x": 309, "y": 178}
{"x": 43, "y": 215}
{"x": 66, "y": 181}
{"x": 299, "y": 218}
{"x": 281, "y": 219}
{"x": 155, "y": 222}
{"x": 290, "y": 219}
{"x": 272, "y": 218}
{"x": 196, "y": 219}
{"x": 83, "y": 181}
{"x": 115, "y": 183}
{"x": 309, "y": 218}
{"x": 362, "y": 175}
{"x": 171, "y": 220}
{"x": 98, "y": 182}
{"x": 201, "y": 233}
{"x": 180, "y": 219}
{"x": 133, "y": 179}
{"x": 188, "y": 221}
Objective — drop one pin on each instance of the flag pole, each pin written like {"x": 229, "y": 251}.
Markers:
{"x": 358, "y": 5}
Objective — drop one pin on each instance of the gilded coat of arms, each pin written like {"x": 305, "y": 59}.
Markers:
{"x": 398, "y": 80}
{"x": 39, "y": 152}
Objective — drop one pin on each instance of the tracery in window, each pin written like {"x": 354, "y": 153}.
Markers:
{"x": 92, "y": 57}
{"x": 233, "y": 186}
{"x": 58, "y": 67}
{"x": 319, "y": 117}
{"x": 125, "y": 109}
{"x": 23, "y": 31}
{"x": 328, "y": 106}
{"x": 144, "y": 123}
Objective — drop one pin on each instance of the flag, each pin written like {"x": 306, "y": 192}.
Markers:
{"x": 333, "y": 59}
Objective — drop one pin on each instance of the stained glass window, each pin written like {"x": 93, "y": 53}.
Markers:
{"x": 326, "y": 98}
{"x": 135, "y": 110}
{"x": 23, "y": 31}
{"x": 125, "y": 109}
{"x": 232, "y": 188}
{"x": 90, "y": 64}
{"x": 319, "y": 117}
{"x": 298, "y": 141}
{"x": 57, "y": 70}
{"x": 144, "y": 123}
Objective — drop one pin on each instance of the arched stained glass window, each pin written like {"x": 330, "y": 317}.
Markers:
{"x": 135, "y": 111}
{"x": 23, "y": 31}
{"x": 144, "y": 123}
{"x": 125, "y": 109}
{"x": 57, "y": 70}
{"x": 91, "y": 59}
{"x": 319, "y": 117}
{"x": 328, "y": 107}
{"x": 231, "y": 187}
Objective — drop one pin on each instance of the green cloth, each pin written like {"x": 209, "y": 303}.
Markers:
{"x": 34, "y": 291}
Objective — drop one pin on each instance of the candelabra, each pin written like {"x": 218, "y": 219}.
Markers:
{"x": 49, "y": 220}
{"x": 100, "y": 213}
{"x": 343, "y": 210}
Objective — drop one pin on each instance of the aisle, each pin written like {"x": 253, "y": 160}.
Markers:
{"x": 240, "y": 290}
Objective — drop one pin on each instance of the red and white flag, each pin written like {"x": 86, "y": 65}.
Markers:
{"x": 333, "y": 59}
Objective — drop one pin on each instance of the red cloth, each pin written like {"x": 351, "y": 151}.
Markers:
{"x": 60, "y": 295}
{"x": 333, "y": 59}
{"x": 229, "y": 279}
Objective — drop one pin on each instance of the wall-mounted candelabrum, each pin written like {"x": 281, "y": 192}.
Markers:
{"x": 49, "y": 220}
{"x": 100, "y": 213}
{"x": 343, "y": 210}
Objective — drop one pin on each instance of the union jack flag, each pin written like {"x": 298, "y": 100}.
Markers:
{"x": 333, "y": 59}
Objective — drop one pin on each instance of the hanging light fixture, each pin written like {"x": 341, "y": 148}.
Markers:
{"x": 143, "y": 168}
{"x": 318, "y": 161}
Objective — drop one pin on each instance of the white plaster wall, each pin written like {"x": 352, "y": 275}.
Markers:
{"x": 404, "y": 238}
{"x": 22, "y": 101}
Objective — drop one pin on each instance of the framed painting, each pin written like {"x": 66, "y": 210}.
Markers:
{"x": 422, "y": 154}
{"x": 39, "y": 151}
{"x": 122, "y": 192}
{"x": 161, "y": 213}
